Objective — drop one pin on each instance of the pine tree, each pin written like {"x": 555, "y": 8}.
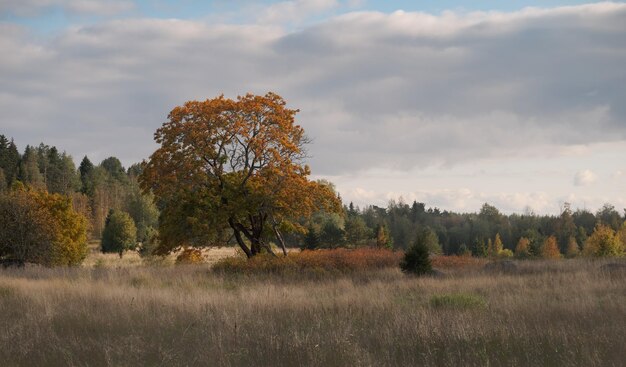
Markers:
{"x": 417, "y": 259}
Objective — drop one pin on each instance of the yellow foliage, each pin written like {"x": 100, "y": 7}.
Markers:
{"x": 44, "y": 229}
{"x": 604, "y": 242}
{"x": 550, "y": 249}
{"x": 190, "y": 256}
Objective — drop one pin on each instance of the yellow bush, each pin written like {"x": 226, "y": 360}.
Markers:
{"x": 190, "y": 256}
{"x": 603, "y": 242}
{"x": 42, "y": 228}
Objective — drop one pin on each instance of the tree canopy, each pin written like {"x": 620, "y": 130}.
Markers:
{"x": 235, "y": 167}
{"x": 41, "y": 228}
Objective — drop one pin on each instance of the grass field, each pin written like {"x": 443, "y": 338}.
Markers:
{"x": 561, "y": 313}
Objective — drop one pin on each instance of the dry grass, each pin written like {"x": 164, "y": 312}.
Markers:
{"x": 97, "y": 259}
{"x": 563, "y": 313}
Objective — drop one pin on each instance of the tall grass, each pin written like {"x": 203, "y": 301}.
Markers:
{"x": 565, "y": 313}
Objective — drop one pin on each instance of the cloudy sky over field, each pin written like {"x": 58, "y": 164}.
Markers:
{"x": 516, "y": 103}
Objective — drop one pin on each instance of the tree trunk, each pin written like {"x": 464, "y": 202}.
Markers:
{"x": 279, "y": 238}
{"x": 240, "y": 241}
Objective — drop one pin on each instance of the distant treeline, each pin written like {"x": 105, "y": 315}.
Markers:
{"x": 399, "y": 223}
{"x": 96, "y": 189}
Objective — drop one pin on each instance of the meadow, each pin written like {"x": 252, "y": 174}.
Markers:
{"x": 112, "y": 312}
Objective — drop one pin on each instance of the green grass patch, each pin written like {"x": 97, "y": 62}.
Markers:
{"x": 458, "y": 301}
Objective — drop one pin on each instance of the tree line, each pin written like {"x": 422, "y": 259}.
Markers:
{"x": 98, "y": 193}
{"x": 487, "y": 233}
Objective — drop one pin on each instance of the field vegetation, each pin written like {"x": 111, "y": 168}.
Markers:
{"x": 550, "y": 313}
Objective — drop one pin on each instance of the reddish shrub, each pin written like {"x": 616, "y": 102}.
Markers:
{"x": 336, "y": 260}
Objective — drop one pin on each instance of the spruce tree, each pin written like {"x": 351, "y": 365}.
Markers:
{"x": 416, "y": 259}
{"x": 9, "y": 159}
{"x": 311, "y": 240}
{"x": 86, "y": 176}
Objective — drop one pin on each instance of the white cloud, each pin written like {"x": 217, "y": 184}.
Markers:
{"x": 295, "y": 10}
{"x": 585, "y": 178}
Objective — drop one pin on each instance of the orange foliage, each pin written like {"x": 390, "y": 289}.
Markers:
{"x": 336, "y": 260}
{"x": 550, "y": 249}
{"x": 232, "y": 165}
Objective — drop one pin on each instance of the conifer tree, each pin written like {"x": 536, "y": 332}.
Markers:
{"x": 9, "y": 159}
{"x": 417, "y": 258}
{"x": 86, "y": 177}
{"x": 311, "y": 240}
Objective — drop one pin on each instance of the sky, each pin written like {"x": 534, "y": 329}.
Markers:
{"x": 521, "y": 104}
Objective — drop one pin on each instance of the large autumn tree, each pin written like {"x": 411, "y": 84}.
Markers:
{"x": 232, "y": 168}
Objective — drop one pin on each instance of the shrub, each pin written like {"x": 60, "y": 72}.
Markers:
{"x": 41, "y": 228}
{"x": 190, "y": 256}
{"x": 416, "y": 259}
{"x": 603, "y": 242}
{"x": 505, "y": 254}
{"x": 458, "y": 300}
{"x": 120, "y": 233}
{"x": 334, "y": 261}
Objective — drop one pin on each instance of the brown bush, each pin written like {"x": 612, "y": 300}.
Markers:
{"x": 336, "y": 260}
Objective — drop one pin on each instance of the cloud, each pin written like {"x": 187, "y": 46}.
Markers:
{"x": 396, "y": 90}
{"x": 85, "y": 7}
{"x": 295, "y": 10}
{"x": 584, "y": 178}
